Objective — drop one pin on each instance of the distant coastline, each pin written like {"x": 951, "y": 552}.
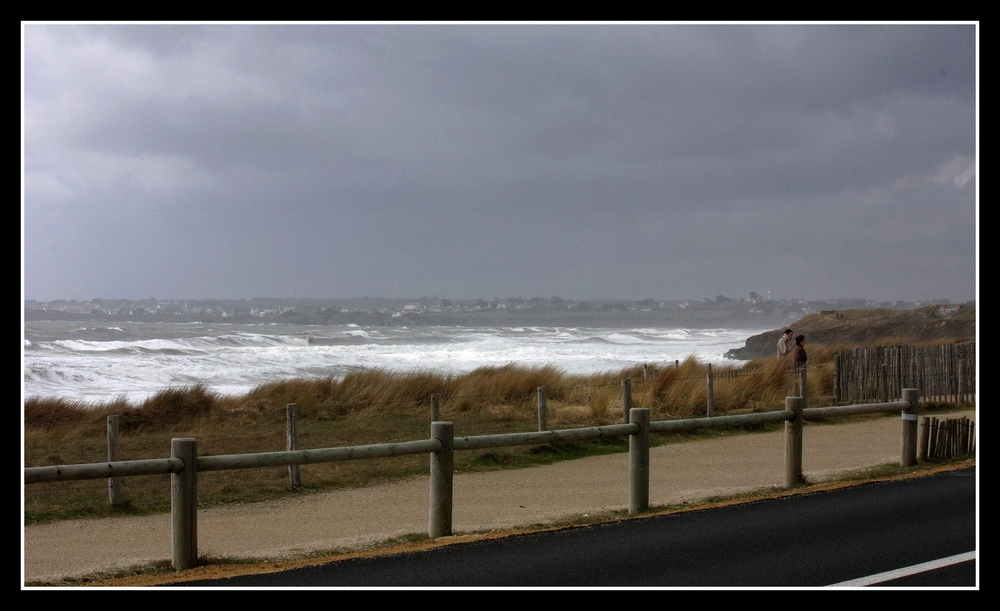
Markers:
{"x": 720, "y": 312}
{"x": 613, "y": 319}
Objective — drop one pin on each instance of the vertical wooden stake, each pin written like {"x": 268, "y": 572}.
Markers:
{"x": 542, "y": 409}
{"x": 908, "y": 446}
{"x": 442, "y": 475}
{"x": 793, "y": 442}
{"x": 711, "y": 393}
{"x": 292, "y": 443}
{"x": 925, "y": 435}
{"x": 626, "y": 397}
{"x": 920, "y": 372}
{"x": 435, "y": 407}
{"x": 638, "y": 462}
{"x": 803, "y": 385}
{"x": 961, "y": 381}
{"x": 184, "y": 504}
{"x": 836, "y": 379}
{"x": 114, "y": 483}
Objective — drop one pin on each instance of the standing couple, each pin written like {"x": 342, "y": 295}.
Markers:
{"x": 790, "y": 343}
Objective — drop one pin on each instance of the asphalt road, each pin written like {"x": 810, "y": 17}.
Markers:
{"x": 815, "y": 539}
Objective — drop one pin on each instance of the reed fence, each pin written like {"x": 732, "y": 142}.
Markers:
{"x": 880, "y": 373}
{"x": 946, "y": 438}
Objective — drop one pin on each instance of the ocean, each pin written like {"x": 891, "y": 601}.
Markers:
{"x": 97, "y": 362}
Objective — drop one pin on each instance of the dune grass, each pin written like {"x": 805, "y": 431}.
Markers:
{"x": 373, "y": 406}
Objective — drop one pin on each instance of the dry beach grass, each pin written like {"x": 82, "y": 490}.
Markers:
{"x": 366, "y": 407}
{"x": 374, "y": 406}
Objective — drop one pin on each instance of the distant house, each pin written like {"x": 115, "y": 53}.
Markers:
{"x": 944, "y": 311}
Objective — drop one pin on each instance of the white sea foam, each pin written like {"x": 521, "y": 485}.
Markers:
{"x": 138, "y": 359}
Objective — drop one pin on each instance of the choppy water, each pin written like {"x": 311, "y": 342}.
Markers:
{"x": 97, "y": 362}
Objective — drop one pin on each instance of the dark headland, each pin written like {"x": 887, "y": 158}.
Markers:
{"x": 871, "y": 327}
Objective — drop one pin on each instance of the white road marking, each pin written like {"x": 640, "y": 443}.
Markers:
{"x": 910, "y": 570}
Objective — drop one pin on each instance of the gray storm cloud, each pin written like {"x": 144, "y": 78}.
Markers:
{"x": 586, "y": 161}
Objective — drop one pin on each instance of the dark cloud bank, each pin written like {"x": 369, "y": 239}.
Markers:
{"x": 586, "y": 161}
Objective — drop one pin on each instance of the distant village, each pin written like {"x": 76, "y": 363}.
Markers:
{"x": 434, "y": 310}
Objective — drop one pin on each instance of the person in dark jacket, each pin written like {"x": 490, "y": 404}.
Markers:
{"x": 799, "y": 351}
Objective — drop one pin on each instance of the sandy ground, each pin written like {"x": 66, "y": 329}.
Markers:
{"x": 483, "y": 502}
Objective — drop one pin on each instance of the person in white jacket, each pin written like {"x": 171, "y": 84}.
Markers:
{"x": 787, "y": 343}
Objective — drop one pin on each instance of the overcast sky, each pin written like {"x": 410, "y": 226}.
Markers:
{"x": 481, "y": 161}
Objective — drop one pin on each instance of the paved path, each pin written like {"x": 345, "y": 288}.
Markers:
{"x": 723, "y": 464}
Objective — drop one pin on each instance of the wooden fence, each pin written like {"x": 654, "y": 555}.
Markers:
{"x": 946, "y": 438}
{"x": 880, "y": 373}
{"x": 184, "y": 463}
{"x": 874, "y": 386}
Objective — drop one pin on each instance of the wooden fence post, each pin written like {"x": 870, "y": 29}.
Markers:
{"x": 908, "y": 446}
{"x": 626, "y": 397}
{"x": 638, "y": 462}
{"x": 710, "y": 408}
{"x": 292, "y": 443}
{"x": 924, "y": 439}
{"x": 836, "y": 379}
{"x": 542, "y": 409}
{"x": 961, "y": 380}
{"x": 793, "y": 442}
{"x": 948, "y": 375}
{"x": 114, "y": 483}
{"x": 919, "y": 382}
{"x": 442, "y": 474}
{"x": 803, "y": 384}
{"x": 435, "y": 407}
{"x": 184, "y": 504}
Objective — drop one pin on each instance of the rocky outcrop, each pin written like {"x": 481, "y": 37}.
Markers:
{"x": 932, "y": 324}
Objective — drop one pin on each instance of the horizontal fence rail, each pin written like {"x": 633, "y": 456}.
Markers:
{"x": 65, "y": 473}
{"x": 305, "y": 457}
{"x": 816, "y": 413}
{"x": 718, "y": 422}
{"x": 536, "y": 438}
{"x": 442, "y": 445}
